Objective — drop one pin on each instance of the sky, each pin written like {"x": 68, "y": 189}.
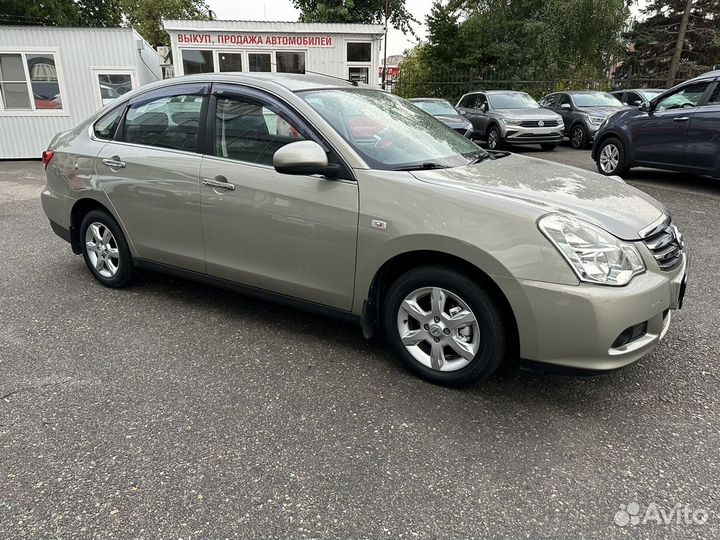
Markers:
{"x": 283, "y": 10}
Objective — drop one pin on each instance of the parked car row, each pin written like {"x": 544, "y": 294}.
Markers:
{"x": 676, "y": 129}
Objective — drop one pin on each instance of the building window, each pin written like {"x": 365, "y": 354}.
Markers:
{"x": 260, "y": 62}
{"x": 230, "y": 61}
{"x": 359, "y": 74}
{"x": 359, "y": 52}
{"x": 197, "y": 61}
{"x": 29, "y": 82}
{"x": 290, "y": 62}
{"x": 113, "y": 85}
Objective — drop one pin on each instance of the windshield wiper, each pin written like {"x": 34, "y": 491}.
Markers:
{"x": 426, "y": 165}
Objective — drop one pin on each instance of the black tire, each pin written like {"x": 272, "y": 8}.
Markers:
{"x": 493, "y": 130}
{"x": 492, "y": 348}
{"x": 578, "y": 137}
{"x": 621, "y": 167}
{"x": 548, "y": 147}
{"x": 125, "y": 272}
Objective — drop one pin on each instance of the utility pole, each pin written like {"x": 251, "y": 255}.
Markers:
{"x": 675, "y": 61}
{"x": 384, "y": 75}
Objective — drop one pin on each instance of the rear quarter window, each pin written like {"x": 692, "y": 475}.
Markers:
{"x": 106, "y": 127}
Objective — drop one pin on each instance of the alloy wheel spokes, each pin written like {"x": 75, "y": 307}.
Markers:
{"x": 102, "y": 250}
{"x": 438, "y": 329}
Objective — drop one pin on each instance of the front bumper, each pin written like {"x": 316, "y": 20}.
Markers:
{"x": 579, "y": 326}
{"x": 531, "y": 135}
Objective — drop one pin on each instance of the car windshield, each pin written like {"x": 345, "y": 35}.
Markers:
{"x": 389, "y": 132}
{"x": 436, "y": 108}
{"x": 512, "y": 101}
{"x": 651, "y": 94}
{"x": 596, "y": 99}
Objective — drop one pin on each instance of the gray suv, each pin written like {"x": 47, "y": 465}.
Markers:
{"x": 582, "y": 112}
{"x": 502, "y": 117}
{"x": 352, "y": 202}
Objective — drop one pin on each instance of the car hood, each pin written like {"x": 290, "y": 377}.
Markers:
{"x": 551, "y": 187}
{"x": 599, "y": 111}
{"x": 529, "y": 114}
{"x": 452, "y": 119}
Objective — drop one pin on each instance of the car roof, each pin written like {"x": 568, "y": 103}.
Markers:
{"x": 427, "y": 99}
{"x": 708, "y": 75}
{"x": 638, "y": 90}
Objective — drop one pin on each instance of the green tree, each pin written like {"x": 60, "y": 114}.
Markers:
{"x": 146, "y": 16}
{"x": 356, "y": 11}
{"x": 652, "y": 40}
{"x": 91, "y": 13}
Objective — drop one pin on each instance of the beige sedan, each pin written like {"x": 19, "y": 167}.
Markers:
{"x": 354, "y": 203}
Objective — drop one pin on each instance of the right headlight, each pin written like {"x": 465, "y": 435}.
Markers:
{"x": 594, "y": 254}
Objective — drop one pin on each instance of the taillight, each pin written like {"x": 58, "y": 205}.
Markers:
{"x": 47, "y": 155}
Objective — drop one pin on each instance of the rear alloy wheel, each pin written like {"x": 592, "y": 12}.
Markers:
{"x": 578, "y": 137}
{"x": 105, "y": 250}
{"x": 445, "y": 327}
{"x": 611, "y": 157}
{"x": 494, "y": 141}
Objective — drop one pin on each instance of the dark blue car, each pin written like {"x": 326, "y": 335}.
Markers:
{"x": 678, "y": 130}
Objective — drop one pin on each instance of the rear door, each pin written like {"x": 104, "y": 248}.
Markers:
{"x": 659, "y": 137}
{"x": 289, "y": 234}
{"x": 151, "y": 171}
{"x": 702, "y": 149}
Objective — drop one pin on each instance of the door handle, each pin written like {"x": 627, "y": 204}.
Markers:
{"x": 114, "y": 163}
{"x": 681, "y": 119}
{"x": 224, "y": 184}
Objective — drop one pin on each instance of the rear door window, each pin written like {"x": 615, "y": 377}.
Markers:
{"x": 165, "y": 122}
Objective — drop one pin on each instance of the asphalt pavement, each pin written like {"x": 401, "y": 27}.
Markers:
{"x": 173, "y": 410}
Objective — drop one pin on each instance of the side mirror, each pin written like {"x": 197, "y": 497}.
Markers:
{"x": 484, "y": 107}
{"x": 637, "y": 102}
{"x": 645, "y": 107}
{"x": 565, "y": 106}
{"x": 302, "y": 157}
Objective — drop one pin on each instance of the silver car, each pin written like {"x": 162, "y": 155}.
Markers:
{"x": 352, "y": 202}
{"x": 502, "y": 117}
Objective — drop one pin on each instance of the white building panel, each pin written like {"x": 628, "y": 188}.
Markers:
{"x": 63, "y": 95}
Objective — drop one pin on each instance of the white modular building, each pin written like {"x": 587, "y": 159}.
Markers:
{"x": 349, "y": 51}
{"x": 53, "y": 78}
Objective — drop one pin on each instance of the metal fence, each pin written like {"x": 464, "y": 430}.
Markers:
{"x": 452, "y": 85}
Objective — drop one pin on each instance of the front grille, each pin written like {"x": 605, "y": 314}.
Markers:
{"x": 665, "y": 243}
{"x": 535, "y": 123}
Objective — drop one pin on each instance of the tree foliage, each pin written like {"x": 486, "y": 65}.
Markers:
{"x": 526, "y": 38}
{"x": 651, "y": 41}
{"x": 91, "y": 13}
{"x": 143, "y": 15}
{"x": 356, "y": 11}
{"x": 146, "y": 16}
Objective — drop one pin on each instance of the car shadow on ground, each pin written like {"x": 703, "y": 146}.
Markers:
{"x": 512, "y": 383}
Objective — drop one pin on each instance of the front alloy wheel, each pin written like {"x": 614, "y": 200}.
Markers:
{"x": 578, "y": 137}
{"x": 438, "y": 329}
{"x": 493, "y": 139}
{"x": 445, "y": 325}
{"x": 610, "y": 158}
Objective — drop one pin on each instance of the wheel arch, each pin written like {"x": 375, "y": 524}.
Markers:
{"x": 397, "y": 265}
{"x": 78, "y": 211}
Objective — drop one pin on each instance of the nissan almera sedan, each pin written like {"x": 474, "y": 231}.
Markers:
{"x": 352, "y": 202}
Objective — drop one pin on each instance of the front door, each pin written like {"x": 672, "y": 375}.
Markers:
{"x": 702, "y": 150}
{"x": 150, "y": 173}
{"x": 474, "y": 107}
{"x": 659, "y": 137}
{"x": 291, "y": 234}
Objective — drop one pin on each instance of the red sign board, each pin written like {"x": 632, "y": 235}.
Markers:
{"x": 256, "y": 40}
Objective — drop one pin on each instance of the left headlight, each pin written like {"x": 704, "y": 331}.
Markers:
{"x": 596, "y": 120}
{"x": 511, "y": 122}
{"x": 594, "y": 254}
